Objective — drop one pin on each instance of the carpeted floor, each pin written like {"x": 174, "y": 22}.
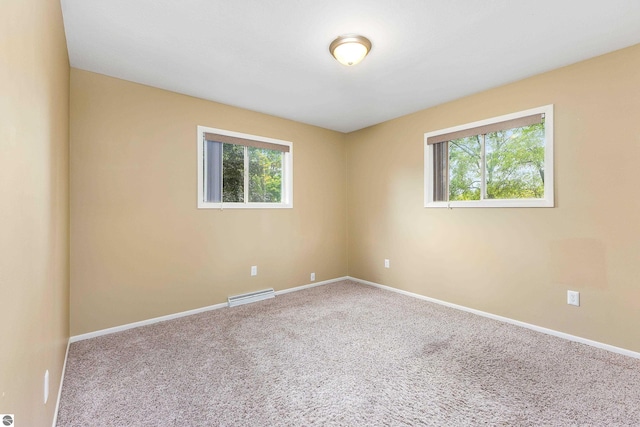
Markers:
{"x": 344, "y": 354}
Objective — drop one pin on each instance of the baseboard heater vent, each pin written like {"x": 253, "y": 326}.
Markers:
{"x": 251, "y": 297}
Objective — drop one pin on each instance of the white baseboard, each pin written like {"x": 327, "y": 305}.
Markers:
{"x": 547, "y": 331}
{"x": 64, "y": 367}
{"x": 120, "y": 328}
{"x": 311, "y": 285}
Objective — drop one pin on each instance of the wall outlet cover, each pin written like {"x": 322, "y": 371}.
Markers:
{"x": 46, "y": 386}
{"x": 254, "y": 270}
{"x": 573, "y": 298}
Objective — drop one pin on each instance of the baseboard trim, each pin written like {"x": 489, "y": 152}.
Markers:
{"x": 311, "y": 285}
{"x": 120, "y": 328}
{"x": 536, "y": 328}
{"x": 153, "y": 320}
{"x": 64, "y": 367}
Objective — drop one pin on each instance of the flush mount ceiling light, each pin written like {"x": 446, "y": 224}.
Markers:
{"x": 350, "y": 49}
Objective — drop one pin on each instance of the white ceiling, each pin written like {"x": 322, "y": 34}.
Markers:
{"x": 272, "y": 56}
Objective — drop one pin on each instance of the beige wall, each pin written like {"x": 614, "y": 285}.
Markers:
{"x": 139, "y": 246}
{"x": 141, "y": 249}
{"x": 34, "y": 218}
{"x": 516, "y": 262}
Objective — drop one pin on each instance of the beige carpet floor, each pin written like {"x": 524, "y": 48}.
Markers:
{"x": 344, "y": 354}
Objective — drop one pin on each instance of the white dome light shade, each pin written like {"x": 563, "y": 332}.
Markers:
{"x": 350, "y": 50}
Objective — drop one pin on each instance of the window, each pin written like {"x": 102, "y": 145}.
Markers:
{"x": 236, "y": 170}
{"x": 505, "y": 161}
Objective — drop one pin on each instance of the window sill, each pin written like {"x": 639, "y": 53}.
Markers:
{"x": 534, "y": 203}
{"x": 222, "y": 206}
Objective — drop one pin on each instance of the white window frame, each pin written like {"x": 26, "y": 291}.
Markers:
{"x": 287, "y": 173}
{"x": 546, "y": 202}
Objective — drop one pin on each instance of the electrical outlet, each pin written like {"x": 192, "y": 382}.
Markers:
{"x": 387, "y": 263}
{"x": 254, "y": 270}
{"x": 313, "y": 277}
{"x": 573, "y": 298}
{"x": 46, "y": 386}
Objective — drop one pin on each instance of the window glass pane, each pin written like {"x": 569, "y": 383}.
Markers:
{"x": 233, "y": 173}
{"x": 265, "y": 175}
{"x": 515, "y": 163}
{"x": 213, "y": 166}
{"x": 465, "y": 168}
